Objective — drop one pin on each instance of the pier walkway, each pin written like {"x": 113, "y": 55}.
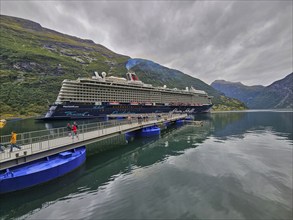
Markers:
{"x": 40, "y": 144}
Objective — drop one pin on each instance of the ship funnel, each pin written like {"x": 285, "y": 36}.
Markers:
{"x": 131, "y": 76}
{"x": 164, "y": 86}
{"x": 186, "y": 88}
{"x": 134, "y": 77}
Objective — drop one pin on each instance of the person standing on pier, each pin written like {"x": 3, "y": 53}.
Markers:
{"x": 2, "y": 124}
{"x": 139, "y": 119}
{"x": 75, "y": 124}
{"x": 69, "y": 129}
{"x": 74, "y": 129}
{"x": 2, "y": 148}
{"x": 129, "y": 119}
{"x": 13, "y": 141}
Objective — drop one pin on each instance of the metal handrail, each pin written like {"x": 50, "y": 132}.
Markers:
{"x": 58, "y": 137}
{"x": 33, "y": 136}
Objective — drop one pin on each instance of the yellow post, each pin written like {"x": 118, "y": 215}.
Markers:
{"x": 2, "y": 123}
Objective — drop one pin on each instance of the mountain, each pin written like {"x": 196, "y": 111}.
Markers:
{"x": 159, "y": 75}
{"x": 35, "y": 60}
{"x": 275, "y": 96}
{"x": 278, "y": 95}
{"x": 237, "y": 90}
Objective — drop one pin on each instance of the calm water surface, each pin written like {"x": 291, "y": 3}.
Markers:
{"x": 235, "y": 166}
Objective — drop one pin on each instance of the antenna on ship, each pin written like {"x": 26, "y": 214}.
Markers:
{"x": 97, "y": 75}
{"x": 192, "y": 89}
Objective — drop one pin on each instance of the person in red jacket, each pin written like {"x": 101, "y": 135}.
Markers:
{"x": 74, "y": 130}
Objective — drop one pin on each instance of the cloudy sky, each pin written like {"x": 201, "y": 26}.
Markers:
{"x": 247, "y": 41}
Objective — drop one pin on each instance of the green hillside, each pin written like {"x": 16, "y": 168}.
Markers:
{"x": 35, "y": 60}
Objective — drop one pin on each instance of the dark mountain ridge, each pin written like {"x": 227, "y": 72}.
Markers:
{"x": 277, "y": 95}
{"x": 237, "y": 90}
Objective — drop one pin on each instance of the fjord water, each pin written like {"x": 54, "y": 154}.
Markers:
{"x": 238, "y": 165}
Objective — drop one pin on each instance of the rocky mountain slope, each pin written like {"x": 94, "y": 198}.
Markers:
{"x": 35, "y": 60}
{"x": 277, "y": 95}
{"x": 237, "y": 90}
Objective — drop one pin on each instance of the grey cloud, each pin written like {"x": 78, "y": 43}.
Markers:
{"x": 242, "y": 41}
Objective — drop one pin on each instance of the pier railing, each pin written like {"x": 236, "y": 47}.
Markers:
{"x": 48, "y": 134}
{"x": 36, "y": 141}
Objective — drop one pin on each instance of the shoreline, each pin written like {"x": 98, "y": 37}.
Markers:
{"x": 21, "y": 117}
{"x": 16, "y": 118}
{"x": 254, "y": 110}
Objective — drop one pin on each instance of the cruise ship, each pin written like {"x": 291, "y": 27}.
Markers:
{"x": 99, "y": 96}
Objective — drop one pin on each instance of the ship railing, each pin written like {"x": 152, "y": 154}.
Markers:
{"x": 35, "y": 141}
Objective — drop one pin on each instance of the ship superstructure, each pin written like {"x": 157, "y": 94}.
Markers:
{"x": 109, "y": 95}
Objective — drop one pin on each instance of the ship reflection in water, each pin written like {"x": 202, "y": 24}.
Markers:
{"x": 235, "y": 166}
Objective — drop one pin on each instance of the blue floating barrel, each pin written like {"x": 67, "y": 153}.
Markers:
{"x": 150, "y": 131}
{"x": 188, "y": 118}
{"x": 179, "y": 122}
{"x": 41, "y": 171}
{"x": 167, "y": 123}
{"x": 130, "y": 135}
{"x": 120, "y": 118}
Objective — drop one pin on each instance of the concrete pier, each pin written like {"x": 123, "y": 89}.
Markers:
{"x": 39, "y": 144}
